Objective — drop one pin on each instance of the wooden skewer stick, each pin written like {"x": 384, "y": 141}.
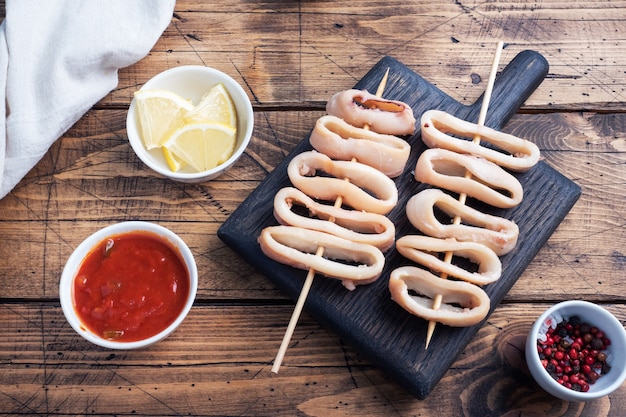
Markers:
{"x": 462, "y": 197}
{"x": 304, "y": 292}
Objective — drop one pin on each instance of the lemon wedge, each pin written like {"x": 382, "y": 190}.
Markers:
{"x": 160, "y": 113}
{"x": 202, "y": 145}
{"x": 173, "y": 162}
{"x": 215, "y": 106}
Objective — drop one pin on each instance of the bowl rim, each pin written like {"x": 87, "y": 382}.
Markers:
{"x": 552, "y": 386}
{"x": 68, "y": 275}
{"x": 239, "y": 96}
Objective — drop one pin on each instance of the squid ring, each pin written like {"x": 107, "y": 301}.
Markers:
{"x": 339, "y": 140}
{"x": 360, "y": 186}
{"x": 295, "y": 246}
{"x": 520, "y": 154}
{"x": 462, "y": 304}
{"x": 355, "y": 225}
{"x": 419, "y": 249}
{"x": 497, "y": 233}
{"x": 488, "y": 182}
{"x": 359, "y": 108}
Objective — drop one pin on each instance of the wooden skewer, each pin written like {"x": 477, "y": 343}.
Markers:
{"x": 462, "y": 197}
{"x": 304, "y": 292}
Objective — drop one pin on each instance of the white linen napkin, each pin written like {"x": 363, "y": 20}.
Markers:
{"x": 57, "y": 59}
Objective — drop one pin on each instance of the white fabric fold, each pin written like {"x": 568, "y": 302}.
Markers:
{"x": 57, "y": 59}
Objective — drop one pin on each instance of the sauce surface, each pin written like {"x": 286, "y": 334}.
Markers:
{"x": 130, "y": 287}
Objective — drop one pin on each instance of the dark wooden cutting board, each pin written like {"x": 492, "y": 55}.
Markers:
{"x": 367, "y": 317}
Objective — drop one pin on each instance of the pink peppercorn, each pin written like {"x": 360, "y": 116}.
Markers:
{"x": 573, "y": 354}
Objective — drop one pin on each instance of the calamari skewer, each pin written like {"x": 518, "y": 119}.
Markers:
{"x": 462, "y": 197}
{"x": 308, "y": 282}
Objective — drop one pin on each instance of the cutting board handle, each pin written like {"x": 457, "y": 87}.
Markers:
{"x": 512, "y": 87}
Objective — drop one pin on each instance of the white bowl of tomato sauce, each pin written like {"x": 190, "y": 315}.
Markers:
{"x": 128, "y": 285}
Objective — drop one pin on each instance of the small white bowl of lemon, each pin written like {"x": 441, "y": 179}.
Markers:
{"x": 190, "y": 123}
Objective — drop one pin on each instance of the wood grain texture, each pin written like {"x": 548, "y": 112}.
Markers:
{"x": 200, "y": 370}
{"x": 290, "y": 57}
{"x": 287, "y": 53}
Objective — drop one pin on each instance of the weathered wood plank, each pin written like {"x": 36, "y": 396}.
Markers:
{"x": 288, "y": 53}
{"x": 47, "y": 368}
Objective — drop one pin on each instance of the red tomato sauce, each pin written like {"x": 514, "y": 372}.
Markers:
{"x": 131, "y": 287}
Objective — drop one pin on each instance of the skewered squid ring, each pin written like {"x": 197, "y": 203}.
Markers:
{"x": 355, "y": 225}
{"x": 350, "y": 180}
{"x": 420, "y": 249}
{"x": 359, "y": 108}
{"x": 339, "y": 140}
{"x": 520, "y": 154}
{"x": 497, "y": 233}
{"x": 295, "y": 246}
{"x": 462, "y": 304}
{"x": 447, "y": 169}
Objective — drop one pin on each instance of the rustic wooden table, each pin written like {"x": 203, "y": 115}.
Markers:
{"x": 290, "y": 57}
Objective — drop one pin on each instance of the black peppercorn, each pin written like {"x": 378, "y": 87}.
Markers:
{"x": 596, "y": 343}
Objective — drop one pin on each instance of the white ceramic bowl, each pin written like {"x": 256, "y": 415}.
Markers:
{"x": 66, "y": 285}
{"x": 191, "y": 82}
{"x": 595, "y": 316}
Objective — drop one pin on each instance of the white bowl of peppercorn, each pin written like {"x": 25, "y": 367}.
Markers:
{"x": 576, "y": 351}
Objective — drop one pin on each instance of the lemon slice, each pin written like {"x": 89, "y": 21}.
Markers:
{"x": 215, "y": 106}
{"x": 202, "y": 145}
{"x": 160, "y": 113}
